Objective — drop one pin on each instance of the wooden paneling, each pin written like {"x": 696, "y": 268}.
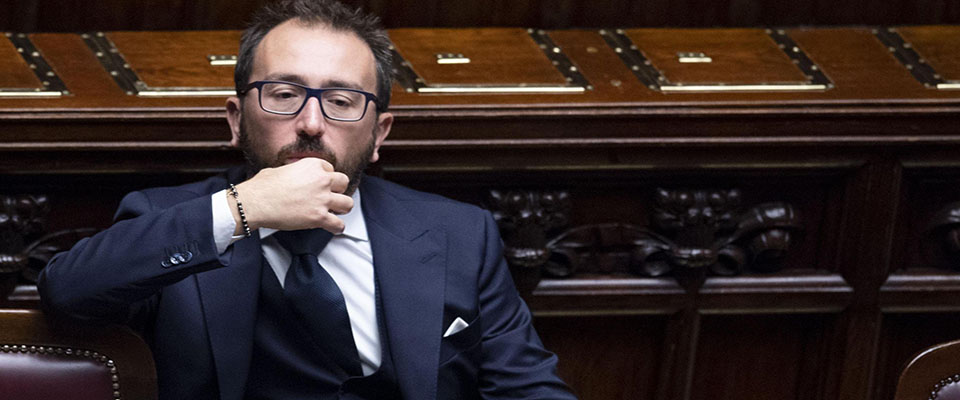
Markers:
{"x": 740, "y": 56}
{"x": 497, "y": 56}
{"x": 863, "y": 73}
{"x": 78, "y": 15}
{"x": 701, "y": 245}
{"x": 938, "y": 46}
{"x": 750, "y": 365}
{"x": 607, "y": 358}
{"x": 14, "y": 71}
{"x": 178, "y": 59}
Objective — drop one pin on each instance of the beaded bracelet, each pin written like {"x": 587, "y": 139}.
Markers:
{"x": 243, "y": 217}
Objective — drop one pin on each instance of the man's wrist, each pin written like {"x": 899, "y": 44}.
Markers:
{"x": 232, "y": 206}
{"x": 224, "y": 223}
{"x": 238, "y": 212}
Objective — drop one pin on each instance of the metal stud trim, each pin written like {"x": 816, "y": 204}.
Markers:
{"x": 123, "y": 74}
{"x": 52, "y": 85}
{"x": 904, "y": 52}
{"x": 404, "y": 73}
{"x": 950, "y": 380}
{"x": 815, "y": 75}
{"x": 553, "y": 52}
{"x": 651, "y": 77}
{"x": 74, "y": 352}
{"x": 576, "y": 82}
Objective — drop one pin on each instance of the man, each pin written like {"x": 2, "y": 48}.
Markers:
{"x": 410, "y": 298}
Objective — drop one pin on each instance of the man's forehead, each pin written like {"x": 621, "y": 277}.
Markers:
{"x": 294, "y": 78}
{"x": 314, "y": 54}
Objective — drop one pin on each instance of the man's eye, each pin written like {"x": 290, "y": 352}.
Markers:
{"x": 339, "y": 102}
{"x": 284, "y": 95}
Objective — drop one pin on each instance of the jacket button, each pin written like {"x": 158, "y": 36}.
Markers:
{"x": 180, "y": 257}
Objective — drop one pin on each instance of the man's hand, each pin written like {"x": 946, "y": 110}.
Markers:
{"x": 302, "y": 195}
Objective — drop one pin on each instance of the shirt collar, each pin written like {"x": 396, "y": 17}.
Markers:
{"x": 354, "y": 226}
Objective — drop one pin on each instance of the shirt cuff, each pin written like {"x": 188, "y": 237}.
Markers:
{"x": 223, "y": 223}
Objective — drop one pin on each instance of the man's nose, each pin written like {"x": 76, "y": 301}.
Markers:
{"x": 310, "y": 121}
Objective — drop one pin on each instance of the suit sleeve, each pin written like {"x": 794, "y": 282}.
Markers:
{"x": 116, "y": 274}
{"x": 515, "y": 364}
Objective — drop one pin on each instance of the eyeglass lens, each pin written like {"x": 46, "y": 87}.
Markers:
{"x": 285, "y": 98}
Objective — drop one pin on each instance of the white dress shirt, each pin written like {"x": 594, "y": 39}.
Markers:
{"x": 347, "y": 258}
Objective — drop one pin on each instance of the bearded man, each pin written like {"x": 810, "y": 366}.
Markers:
{"x": 296, "y": 276}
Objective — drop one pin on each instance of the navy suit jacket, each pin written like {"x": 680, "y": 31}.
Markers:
{"x": 435, "y": 260}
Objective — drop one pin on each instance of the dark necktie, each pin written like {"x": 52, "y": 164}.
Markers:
{"x": 316, "y": 299}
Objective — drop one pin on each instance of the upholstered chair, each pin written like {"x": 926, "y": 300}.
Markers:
{"x": 42, "y": 359}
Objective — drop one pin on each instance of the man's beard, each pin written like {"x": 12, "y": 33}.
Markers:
{"x": 352, "y": 166}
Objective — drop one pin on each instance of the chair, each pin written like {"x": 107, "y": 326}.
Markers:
{"x": 43, "y": 359}
{"x": 932, "y": 374}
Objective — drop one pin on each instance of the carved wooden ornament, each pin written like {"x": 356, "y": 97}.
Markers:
{"x": 690, "y": 229}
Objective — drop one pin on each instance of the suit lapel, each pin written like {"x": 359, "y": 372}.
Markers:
{"x": 410, "y": 263}
{"x": 229, "y": 296}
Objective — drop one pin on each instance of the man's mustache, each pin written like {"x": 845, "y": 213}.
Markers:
{"x": 307, "y": 144}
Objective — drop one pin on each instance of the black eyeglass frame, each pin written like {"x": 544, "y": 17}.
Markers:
{"x": 311, "y": 92}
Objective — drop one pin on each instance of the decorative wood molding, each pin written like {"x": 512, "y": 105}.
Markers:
{"x": 525, "y": 218}
{"x": 696, "y": 229}
{"x": 25, "y": 247}
{"x": 20, "y": 217}
{"x": 942, "y": 242}
{"x": 700, "y": 230}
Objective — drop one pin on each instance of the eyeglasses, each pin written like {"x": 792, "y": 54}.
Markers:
{"x": 286, "y": 98}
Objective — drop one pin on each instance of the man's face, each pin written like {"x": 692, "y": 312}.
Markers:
{"x": 318, "y": 57}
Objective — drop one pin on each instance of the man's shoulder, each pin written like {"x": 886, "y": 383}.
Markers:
{"x": 383, "y": 190}
{"x": 388, "y": 201}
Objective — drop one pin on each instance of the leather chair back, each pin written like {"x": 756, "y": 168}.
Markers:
{"x": 932, "y": 374}
{"x": 42, "y": 359}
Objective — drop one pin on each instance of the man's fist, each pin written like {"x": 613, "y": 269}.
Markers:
{"x": 301, "y": 195}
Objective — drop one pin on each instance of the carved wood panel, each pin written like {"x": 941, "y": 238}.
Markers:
{"x": 719, "y": 322}
{"x": 25, "y": 243}
{"x": 698, "y": 230}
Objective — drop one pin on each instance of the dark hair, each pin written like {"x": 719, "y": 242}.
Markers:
{"x": 325, "y": 12}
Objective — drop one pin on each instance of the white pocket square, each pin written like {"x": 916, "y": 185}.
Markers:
{"x": 457, "y": 326}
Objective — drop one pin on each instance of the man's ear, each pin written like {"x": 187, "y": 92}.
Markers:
{"x": 234, "y": 114}
{"x": 384, "y": 122}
